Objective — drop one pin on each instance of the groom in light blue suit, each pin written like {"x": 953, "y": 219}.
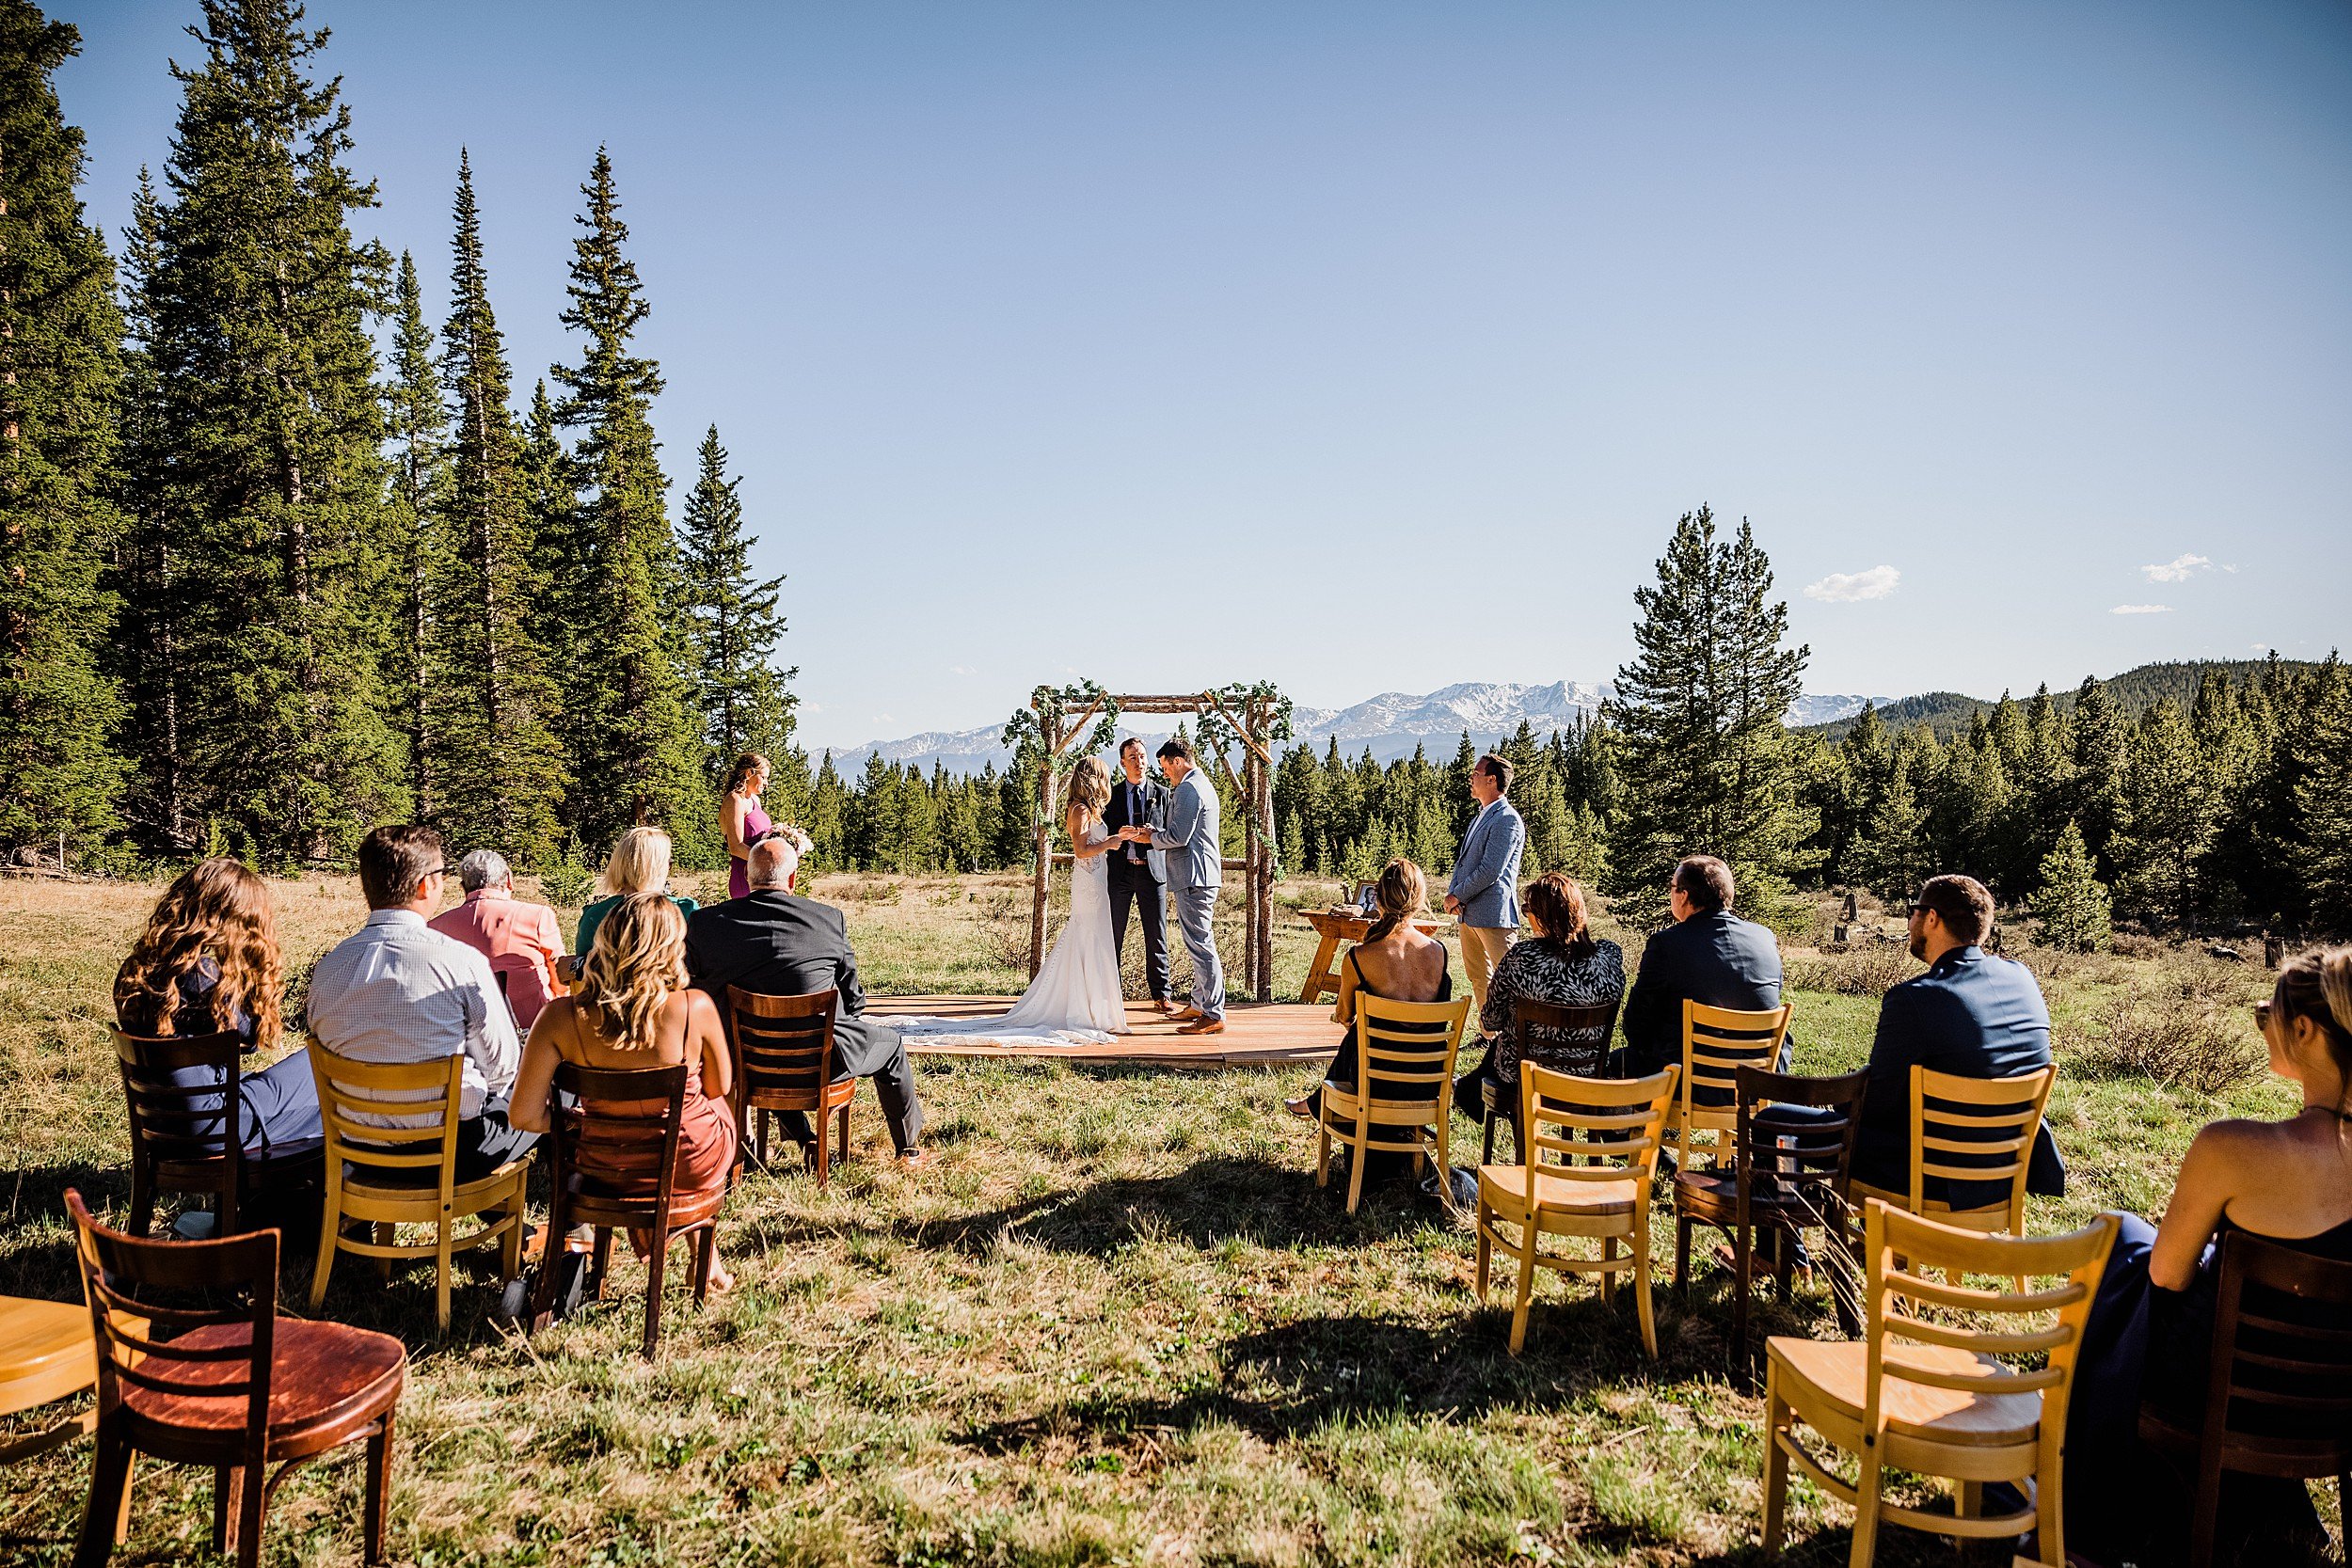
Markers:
{"x": 1195, "y": 861}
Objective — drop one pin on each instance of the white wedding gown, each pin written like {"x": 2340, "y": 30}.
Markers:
{"x": 1077, "y": 998}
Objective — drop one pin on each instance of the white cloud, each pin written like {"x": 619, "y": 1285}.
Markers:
{"x": 2141, "y": 610}
{"x": 882, "y": 719}
{"x": 959, "y": 669}
{"x": 1850, "y": 587}
{"x": 2179, "y": 569}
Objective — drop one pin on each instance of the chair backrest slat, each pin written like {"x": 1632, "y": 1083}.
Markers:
{"x": 1983, "y": 1128}
{"x": 2281, "y": 1344}
{"x": 1615, "y": 1123}
{"x": 1794, "y": 1153}
{"x": 1565, "y": 1038}
{"x": 613, "y": 1153}
{"x": 783, "y": 1048}
{"x": 1717, "y": 1043}
{"x": 1407, "y": 1045}
{"x": 191, "y": 1128}
{"x": 355, "y": 1098}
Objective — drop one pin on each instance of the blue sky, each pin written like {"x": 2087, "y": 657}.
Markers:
{"x": 1367, "y": 347}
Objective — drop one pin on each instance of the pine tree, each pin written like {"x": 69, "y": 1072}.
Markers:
{"x": 1704, "y": 757}
{"x": 634, "y": 758}
{"x": 60, "y": 391}
{"x": 2324, "y": 793}
{"x": 2168, "y": 816}
{"x": 413, "y": 419}
{"x": 744, "y": 703}
{"x": 2101, "y": 747}
{"x": 2071, "y": 904}
{"x": 256, "y": 307}
{"x": 502, "y": 765}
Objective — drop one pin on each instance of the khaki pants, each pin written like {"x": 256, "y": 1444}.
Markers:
{"x": 1483, "y": 947}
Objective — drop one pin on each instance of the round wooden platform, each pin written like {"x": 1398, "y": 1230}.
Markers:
{"x": 1272, "y": 1034}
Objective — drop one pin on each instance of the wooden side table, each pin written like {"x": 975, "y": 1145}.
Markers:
{"x": 1337, "y": 926}
{"x": 45, "y": 1355}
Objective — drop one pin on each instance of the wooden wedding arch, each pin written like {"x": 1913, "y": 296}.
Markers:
{"x": 1254, "y": 719}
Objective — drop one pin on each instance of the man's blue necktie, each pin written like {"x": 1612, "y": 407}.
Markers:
{"x": 1135, "y": 819}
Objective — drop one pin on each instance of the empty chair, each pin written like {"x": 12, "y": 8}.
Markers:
{"x": 1788, "y": 1175}
{"x": 184, "y": 1134}
{"x": 1401, "y": 1099}
{"x": 1926, "y": 1389}
{"x": 1573, "y": 1041}
{"x": 1716, "y": 1043}
{"x": 46, "y": 1355}
{"x": 1614, "y": 1125}
{"x": 2279, "y": 1385}
{"x": 388, "y": 1176}
{"x": 616, "y": 1141}
{"x": 235, "y": 1387}
{"x": 785, "y": 1061}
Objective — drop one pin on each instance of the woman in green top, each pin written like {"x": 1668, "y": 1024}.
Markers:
{"x": 640, "y": 863}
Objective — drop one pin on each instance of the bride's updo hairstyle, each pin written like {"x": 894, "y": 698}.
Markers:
{"x": 1090, "y": 786}
{"x": 2318, "y": 987}
{"x": 1401, "y": 894}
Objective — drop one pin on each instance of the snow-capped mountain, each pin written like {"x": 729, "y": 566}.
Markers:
{"x": 1392, "y": 725}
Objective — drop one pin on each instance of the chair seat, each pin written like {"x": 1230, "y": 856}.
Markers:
{"x": 45, "y": 1351}
{"x": 1838, "y": 1372}
{"x": 1770, "y": 1199}
{"x": 408, "y": 1182}
{"x": 1505, "y": 1187}
{"x": 325, "y": 1380}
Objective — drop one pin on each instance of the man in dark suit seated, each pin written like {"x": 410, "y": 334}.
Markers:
{"x": 1709, "y": 956}
{"x": 1971, "y": 1014}
{"x": 777, "y": 944}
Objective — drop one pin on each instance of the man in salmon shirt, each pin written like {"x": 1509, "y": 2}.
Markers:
{"x": 522, "y": 940}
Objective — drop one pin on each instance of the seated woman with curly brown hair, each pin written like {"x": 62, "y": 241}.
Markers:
{"x": 208, "y": 963}
{"x": 637, "y": 1011}
{"x": 1560, "y": 962}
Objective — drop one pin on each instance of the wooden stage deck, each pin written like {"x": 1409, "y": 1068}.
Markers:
{"x": 1271, "y": 1034}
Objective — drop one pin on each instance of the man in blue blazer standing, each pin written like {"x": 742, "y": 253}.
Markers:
{"x": 1709, "y": 956}
{"x": 1483, "y": 893}
{"x": 1972, "y": 1014}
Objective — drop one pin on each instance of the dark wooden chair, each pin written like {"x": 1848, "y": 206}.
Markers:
{"x": 237, "y": 1386}
{"x": 783, "y": 1061}
{"x": 2279, "y": 1385}
{"x": 184, "y": 1140}
{"x": 1550, "y": 1029}
{"x": 1790, "y": 1172}
{"x": 615, "y": 1133}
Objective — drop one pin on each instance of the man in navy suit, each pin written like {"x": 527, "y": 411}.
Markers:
{"x": 1139, "y": 873}
{"x": 1709, "y": 956}
{"x": 1972, "y": 1014}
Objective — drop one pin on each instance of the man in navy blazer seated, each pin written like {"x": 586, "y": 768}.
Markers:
{"x": 1709, "y": 956}
{"x": 1972, "y": 1014}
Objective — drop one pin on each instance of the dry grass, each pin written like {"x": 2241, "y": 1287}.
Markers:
{"x": 1117, "y": 1324}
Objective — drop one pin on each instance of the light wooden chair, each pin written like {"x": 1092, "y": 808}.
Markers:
{"x": 196, "y": 1366}
{"x": 1716, "y": 1043}
{"x": 1405, "y": 1055}
{"x": 1933, "y": 1396}
{"x": 1565, "y": 1039}
{"x": 407, "y": 1175}
{"x": 1976, "y": 1130}
{"x": 1607, "y": 1199}
{"x": 46, "y": 1353}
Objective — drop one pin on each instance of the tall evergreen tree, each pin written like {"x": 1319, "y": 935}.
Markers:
{"x": 634, "y": 757}
{"x": 1706, "y": 760}
{"x": 2324, "y": 794}
{"x": 744, "y": 702}
{"x": 60, "y": 391}
{"x": 257, "y": 308}
{"x": 2168, "y": 818}
{"x": 2070, "y": 903}
{"x": 412, "y": 407}
{"x": 502, "y": 765}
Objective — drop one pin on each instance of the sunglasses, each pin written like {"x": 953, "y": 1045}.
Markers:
{"x": 2262, "y": 1015}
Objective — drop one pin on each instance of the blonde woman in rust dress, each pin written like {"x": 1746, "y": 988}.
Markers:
{"x": 637, "y": 1011}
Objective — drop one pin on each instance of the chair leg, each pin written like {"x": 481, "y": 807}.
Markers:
{"x": 602, "y": 1258}
{"x": 656, "y": 1267}
{"x": 1524, "y": 1293}
{"x": 441, "y": 1272}
{"x": 1776, "y": 1465}
{"x": 1360, "y": 1155}
{"x": 1485, "y": 1246}
{"x": 1608, "y": 1277}
{"x": 330, "y": 1229}
{"x": 2204, "y": 1511}
{"x": 824, "y": 1152}
{"x": 1641, "y": 1294}
{"x": 379, "y": 1489}
{"x": 1865, "y": 1513}
{"x": 844, "y": 1139}
{"x": 763, "y": 1137}
{"x": 1323, "y": 1153}
{"x": 225, "y": 1480}
{"x": 109, "y": 1492}
{"x": 511, "y": 1245}
{"x": 1682, "y": 1255}
{"x": 142, "y": 1196}
{"x": 1741, "y": 1239}
{"x": 550, "y": 1264}
{"x": 1486, "y": 1139}
{"x": 705, "y": 1249}
{"x": 2050, "y": 1501}
{"x": 252, "y": 1495}
{"x": 386, "y": 1233}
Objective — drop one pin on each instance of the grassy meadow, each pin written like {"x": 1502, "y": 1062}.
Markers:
{"x": 1117, "y": 1323}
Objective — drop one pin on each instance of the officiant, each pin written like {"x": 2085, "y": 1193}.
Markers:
{"x": 1138, "y": 875}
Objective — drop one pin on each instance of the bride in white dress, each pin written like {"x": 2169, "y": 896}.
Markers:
{"x": 1077, "y": 998}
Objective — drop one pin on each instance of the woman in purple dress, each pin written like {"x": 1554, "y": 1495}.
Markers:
{"x": 744, "y": 819}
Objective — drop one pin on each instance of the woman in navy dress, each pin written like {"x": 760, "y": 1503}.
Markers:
{"x": 208, "y": 962}
{"x": 2150, "y": 1334}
